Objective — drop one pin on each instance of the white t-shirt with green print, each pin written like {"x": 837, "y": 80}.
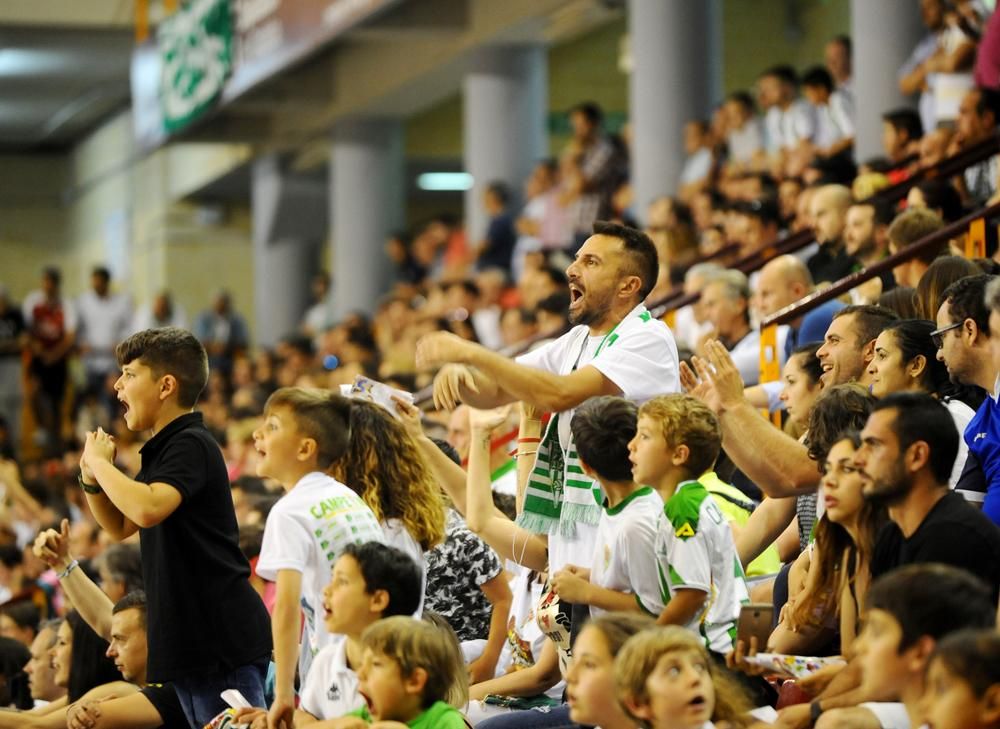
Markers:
{"x": 695, "y": 551}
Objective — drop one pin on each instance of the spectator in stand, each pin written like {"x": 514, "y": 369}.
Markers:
{"x": 552, "y": 314}
{"x": 978, "y": 115}
{"x": 104, "y": 320}
{"x": 913, "y": 73}
{"x": 908, "y": 448}
{"x": 726, "y": 303}
{"x": 901, "y": 133}
{"x": 938, "y": 196}
{"x": 318, "y": 317}
{"x": 697, "y": 170}
{"x": 163, "y": 312}
{"x": 690, "y": 322}
{"x": 784, "y": 281}
{"x": 223, "y": 332}
{"x": 745, "y": 138}
{"x": 941, "y": 274}
{"x": 834, "y": 114}
{"x": 12, "y": 341}
{"x": 866, "y": 240}
{"x": 934, "y": 147}
{"x": 755, "y": 225}
{"x": 538, "y": 283}
{"x": 908, "y": 228}
{"x": 788, "y": 119}
{"x": 497, "y": 247}
{"x": 982, "y": 434}
{"x": 41, "y": 675}
{"x": 837, "y": 59}
{"x": 517, "y": 325}
{"x": 828, "y": 210}
{"x": 597, "y": 166}
{"x": 51, "y": 322}
{"x": 541, "y": 224}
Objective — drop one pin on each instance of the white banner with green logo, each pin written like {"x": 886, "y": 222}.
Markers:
{"x": 196, "y": 46}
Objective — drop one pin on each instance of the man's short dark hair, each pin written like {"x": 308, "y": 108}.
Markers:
{"x": 390, "y": 569}
{"x": 932, "y": 600}
{"x": 989, "y": 101}
{"x": 555, "y": 275}
{"x": 921, "y": 417}
{"x": 500, "y": 190}
{"x": 448, "y": 449}
{"x": 817, "y": 76}
{"x": 124, "y": 563}
{"x": 905, "y": 120}
{"x": 135, "y": 600}
{"x": 744, "y": 99}
{"x": 784, "y": 73}
{"x": 869, "y": 320}
{"x": 24, "y": 613}
{"x": 844, "y": 41}
{"x": 641, "y": 257}
{"x": 101, "y": 272}
{"x": 53, "y": 274}
{"x": 555, "y": 303}
{"x": 169, "y": 351}
{"x": 602, "y": 428}
{"x": 765, "y": 210}
{"x": 590, "y": 110}
{"x": 966, "y": 300}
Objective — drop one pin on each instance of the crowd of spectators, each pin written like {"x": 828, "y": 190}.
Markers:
{"x": 587, "y": 557}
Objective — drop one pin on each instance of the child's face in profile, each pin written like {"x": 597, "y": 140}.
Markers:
{"x": 278, "y": 442}
{"x": 345, "y": 599}
{"x": 138, "y": 391}
{"x": 680, "y": 690}
{"x": 883, "y": 669}
{"x": 649, "y": 453}
{"x": 949, "y": 702}
{"x": 590, "y": 682}
{"x": 387, "y": 693}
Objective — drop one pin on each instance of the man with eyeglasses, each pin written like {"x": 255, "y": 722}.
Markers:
{"x": 964, "y": 344}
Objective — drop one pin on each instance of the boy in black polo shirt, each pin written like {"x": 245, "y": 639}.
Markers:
{"x": 208, "y": 629}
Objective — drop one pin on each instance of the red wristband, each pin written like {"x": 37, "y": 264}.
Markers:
{"x": 529, "y": 440}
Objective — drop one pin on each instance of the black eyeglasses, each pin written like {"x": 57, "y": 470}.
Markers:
{"x": 937, "y": 336}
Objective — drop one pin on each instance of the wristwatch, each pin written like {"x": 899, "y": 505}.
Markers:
{"x": 88, "y": 488}
{"x": 815, "y": 710}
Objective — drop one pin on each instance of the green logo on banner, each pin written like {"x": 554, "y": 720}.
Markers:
{"x": 196, "y": 44}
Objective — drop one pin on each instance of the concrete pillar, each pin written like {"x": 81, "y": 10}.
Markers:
{"x": 884, "y": 34}
{"x": 504, "y": 126}
{"x": 674, "y": 73}
{"x": 366, "y": 204}
{"x": 285, "y": 249}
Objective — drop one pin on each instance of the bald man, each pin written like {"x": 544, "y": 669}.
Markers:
{"x": 784, "y": 281}
{"x": 828, "y": 210}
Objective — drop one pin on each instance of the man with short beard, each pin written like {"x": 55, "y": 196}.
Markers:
{"x": 908, "y": 448}
{"x": 615, "y": 348}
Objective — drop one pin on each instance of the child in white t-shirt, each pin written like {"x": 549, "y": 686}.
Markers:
{"x": 305, "y": 432}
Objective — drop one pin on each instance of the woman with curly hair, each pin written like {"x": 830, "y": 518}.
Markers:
{"x": 386, "y": 469}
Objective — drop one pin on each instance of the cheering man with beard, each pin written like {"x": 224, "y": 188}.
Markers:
{"x": 615, "y": 348}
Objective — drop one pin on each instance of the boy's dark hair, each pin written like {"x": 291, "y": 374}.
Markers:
{"x": 973, "y": 655}
{"x": 966, "y": 300}
{"x": 448, "y": 449}
{"x": 124, "y": 563}
{"x": 784, "y": 73}
{"x": 390, "y": 569}
{"x": 905, "y": 120}
{"x": 24, "y": 613}
{"x": 818, "y": 76}
{"x": 869, "y": 320}
{"x": 500, "y": 190}
{"x": 921, "y": 417}
{"x": 135, "y": 600}
{"x": 641, "y": 257}
{"x": 602, "y": 428}
{"x": 172, "y": 351}
{"x": 590, "y": 110}
{"x": 932, "y": 600}
{"x": 321, "y": 415}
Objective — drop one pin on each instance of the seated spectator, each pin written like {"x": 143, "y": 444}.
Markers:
{"x": 755, "y": 225}
{"x": 934, "y": 147}
{"x": 697, "y": 169}
{"x": 834, "y": 113}
{"x": 726, "y": 302}
{"x": 690, "y": 322}
{"x": 963, "y": 681}
{"x": 41, "y": 675}
{"x": 590, "y": 680}
{"x": 909, "y": 448}
{"x": 941, "y": 274}
{"x": 908, "y": 228}
{"x": 908, "y": 612}
{"x": 901, "y": 133}
{"x": 19, "y": 620}
{"x": 517, "y": 325}
{"x": 647, "y": 669}
{"x": 938, "y": 196}
{"x": 788, "y": 119}
{"x": 120, "y": 570}
{"x": 701, "y": 578}
{"x": 745, "y": 138}
{"x": 978, "y": 116}
{"x": 828, "y": 211}
{"x": 497, "y": 247}
{"x": 866, "y": 240}
{"x": 838, "y": 561}
{"x": 905, "y": 361}
{"x": 14, "y": 690}
{"x": 837, "y": 59}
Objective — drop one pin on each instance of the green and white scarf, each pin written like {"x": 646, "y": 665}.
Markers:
{"x": 559, "y": 495}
